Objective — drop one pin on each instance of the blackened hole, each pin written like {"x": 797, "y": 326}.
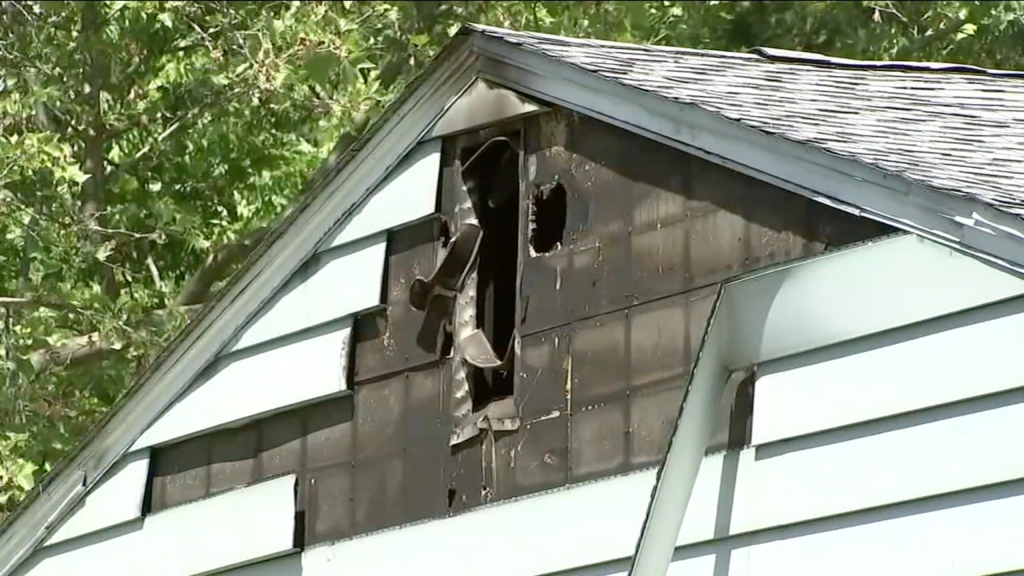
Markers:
{"x": 445, "y": 233}
{"x": 548, "y": 209}
{"x": 491, "y": 177}
{"x": 451, "y": 497}
{"x": 447, "y": 339}
{"x": 299, "y": 530}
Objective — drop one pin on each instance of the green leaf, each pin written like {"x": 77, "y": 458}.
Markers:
{"x": 966, "y": 29}
{"x": 24, "y": 477}
{"x": 320, "y": 65}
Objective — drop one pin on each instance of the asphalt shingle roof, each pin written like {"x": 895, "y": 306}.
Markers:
{"x": 954, "y": 128}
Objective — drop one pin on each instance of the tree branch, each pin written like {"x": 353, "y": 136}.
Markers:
{"x": 87, "y": 348}
{"x": 80, "y": 349}
{"x": 197, "y": 289}
{"x": 11, "y": 302}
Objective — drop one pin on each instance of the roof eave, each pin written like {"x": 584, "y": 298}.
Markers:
{"x": 335, "y": 190}
{"x": 963, "y": 224}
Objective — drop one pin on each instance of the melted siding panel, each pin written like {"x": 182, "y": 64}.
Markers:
{"x": 115, "y": 500}
{"x": 330, "y": 285}
{"x": 258, "y": 381}
{"x": 237, "y": 527}
{"x": 967, "y": 356}
{"x": 408, "y": 193}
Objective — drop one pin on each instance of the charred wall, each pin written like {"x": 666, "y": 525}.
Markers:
{"x": 645, "y": 221}
{"x": 597, "y": 257}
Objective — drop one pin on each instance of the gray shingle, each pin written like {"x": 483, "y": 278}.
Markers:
{"x": 953, "y": 128}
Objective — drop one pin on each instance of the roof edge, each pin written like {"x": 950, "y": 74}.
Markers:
{"x": 343, "y": 181}
{"x": 966, "y": 225}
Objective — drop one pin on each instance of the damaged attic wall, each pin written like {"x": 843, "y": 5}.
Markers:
{"x": 605, "y": 275}
{"x": 536, "y": 331}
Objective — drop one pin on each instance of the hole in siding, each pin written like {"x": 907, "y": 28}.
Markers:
{"x": 491, "y": 177}
{"x": 451, "y": 497}
{"x": 548, "y": 208}
{"x": 299, "y": 530}
{"x": 445, "y": 233}
{"x": 447, "y": 341}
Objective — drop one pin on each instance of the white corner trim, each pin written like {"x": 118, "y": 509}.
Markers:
{"x": 967, "y": 225}
{"x": 678, "y": 474}
{"x": 395, "y": 137}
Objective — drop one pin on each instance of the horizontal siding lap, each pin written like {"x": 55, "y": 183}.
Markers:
{"x": 329, "y": 286}
{"x": 913, "y": 456}
{"x": 234, "y": 528}
{"x": 970, "y": 355}
{"x": 246, "y": 386}
{"x": 555, "y": 531}
{"x": 407, "y": 194}
{"x": 952, "y": 537}
{"x": 115, "y": 500}
{"x": 302, "y": 336}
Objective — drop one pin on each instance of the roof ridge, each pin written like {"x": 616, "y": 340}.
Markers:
{"x": 510, "y": 34}
{"x": 816, "y": 59}
{"x": 779, "y": 55}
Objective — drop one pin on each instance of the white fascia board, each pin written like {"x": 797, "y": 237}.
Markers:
{"x": 853, "y": 186}
{"x": 837, "y": 297}
{"x": 258, "y": 283}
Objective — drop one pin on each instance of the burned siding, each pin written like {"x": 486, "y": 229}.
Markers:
{"x": 597, "y": 253}
{"x": 367, "y": 461}
{"x": 621, "y": 245}
{"x": 397, "y": 336}
{"x": 643, "y": 221}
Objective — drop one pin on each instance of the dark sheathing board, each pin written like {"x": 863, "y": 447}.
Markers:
{"x": 623, "y": 243}
{"x": 364, "y": 461}
{"x": 396, "y": 336}
{"x": 645, "y": 221}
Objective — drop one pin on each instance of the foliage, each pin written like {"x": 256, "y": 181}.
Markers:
{"x": 145, "y": 147}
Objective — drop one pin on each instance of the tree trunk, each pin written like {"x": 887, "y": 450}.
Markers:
{"x": 97, "y": 75}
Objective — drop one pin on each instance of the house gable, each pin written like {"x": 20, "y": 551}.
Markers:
{"x": 367, "y": 423}
{"x": 614, "y": 238}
